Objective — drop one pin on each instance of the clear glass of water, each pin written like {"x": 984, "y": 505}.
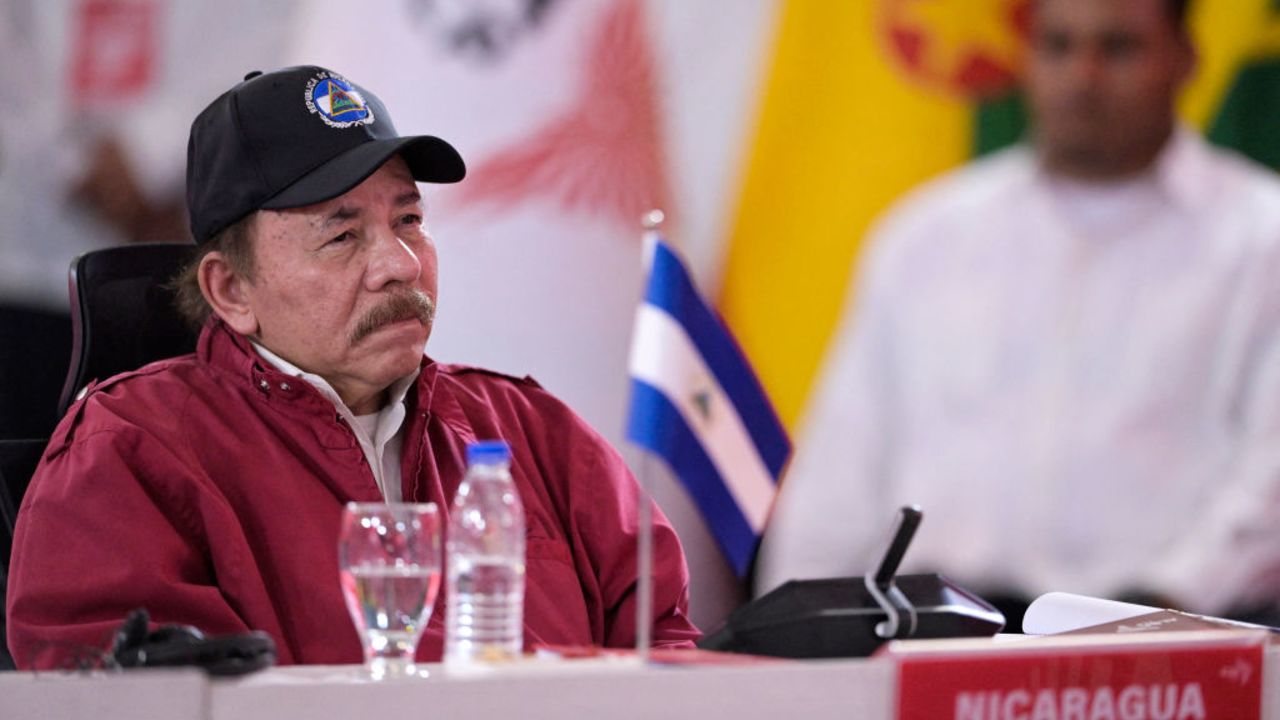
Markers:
{"x": 389, "y": 556}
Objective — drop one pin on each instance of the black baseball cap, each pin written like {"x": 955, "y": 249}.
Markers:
{"x": 295, "y": 137}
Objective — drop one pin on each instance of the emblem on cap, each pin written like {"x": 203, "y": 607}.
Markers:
{"x": 337, "y": 101}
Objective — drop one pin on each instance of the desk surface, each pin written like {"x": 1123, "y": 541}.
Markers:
{"x": 812, "y": 690}
{"x": 843, "y": 689}
{"x": 863, "y": 689}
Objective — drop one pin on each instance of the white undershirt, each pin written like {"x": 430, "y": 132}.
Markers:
{"x": 378, "y": 433}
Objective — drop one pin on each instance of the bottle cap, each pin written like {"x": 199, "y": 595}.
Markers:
{"x": 488, "y": 452}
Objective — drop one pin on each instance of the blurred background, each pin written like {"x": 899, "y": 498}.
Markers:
{"x": 771, "y": 133}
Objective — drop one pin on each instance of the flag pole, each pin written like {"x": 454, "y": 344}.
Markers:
{"x": 652, "y": 223}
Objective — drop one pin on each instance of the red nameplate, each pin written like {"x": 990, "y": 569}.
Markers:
{"x": 1175, "y": 676}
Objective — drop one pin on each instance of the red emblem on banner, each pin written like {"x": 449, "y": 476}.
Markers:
{"x": 967, "y": 48}
{"x": 114, "y": 51}
{"x": 1193, "y": 677}
{"x": 604, "y": 155}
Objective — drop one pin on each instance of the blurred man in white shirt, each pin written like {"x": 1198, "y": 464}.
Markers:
{"x": 1067, "y": 353}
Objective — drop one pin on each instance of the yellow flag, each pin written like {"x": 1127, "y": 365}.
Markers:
{"x": 861, "y": 105}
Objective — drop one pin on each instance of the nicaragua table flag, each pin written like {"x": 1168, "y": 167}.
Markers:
{"x": 696, "y": 403}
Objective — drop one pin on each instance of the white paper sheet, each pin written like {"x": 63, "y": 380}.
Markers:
{"x": 1058, "y": 612}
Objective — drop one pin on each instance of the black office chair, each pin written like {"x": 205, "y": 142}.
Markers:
{"x": 122, "y": 316}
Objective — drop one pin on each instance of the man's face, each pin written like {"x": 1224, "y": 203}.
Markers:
{"x": 1102, "y": 79}
{"x": 345, "y": 289}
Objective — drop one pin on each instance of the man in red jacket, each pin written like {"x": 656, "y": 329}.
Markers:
{"x": 208, "y": 488}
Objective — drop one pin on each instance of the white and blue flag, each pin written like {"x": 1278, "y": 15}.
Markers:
{"x": 696, "y": 403}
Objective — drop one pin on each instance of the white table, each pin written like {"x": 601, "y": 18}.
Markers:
{"x": 844, "y": 689}
{"x": 837, "y": 689}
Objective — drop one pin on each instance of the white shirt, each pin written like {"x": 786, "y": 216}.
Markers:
{"x": 378, "y": 433}
{"x": 1080, "y": 384}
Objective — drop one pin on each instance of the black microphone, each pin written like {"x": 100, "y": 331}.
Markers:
{"x": 901, "y": 620}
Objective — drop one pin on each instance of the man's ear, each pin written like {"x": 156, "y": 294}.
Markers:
{"x": 227, "y": 292}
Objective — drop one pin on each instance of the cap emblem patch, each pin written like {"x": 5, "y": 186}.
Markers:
{"x": 337, "y": 102}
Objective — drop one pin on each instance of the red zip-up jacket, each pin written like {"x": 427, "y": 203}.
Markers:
{"x": 208, "y": 489}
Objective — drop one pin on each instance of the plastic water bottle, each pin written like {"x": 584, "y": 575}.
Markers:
{"x": 484, "y": 601}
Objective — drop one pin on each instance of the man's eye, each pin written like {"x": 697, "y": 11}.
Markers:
{"x": 1051, "y": 44}
{"x": 411, "y": 220}
{"x": 344, "y": 237}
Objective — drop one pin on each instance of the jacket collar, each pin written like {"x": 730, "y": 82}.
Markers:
{"x": 222, "y": 347}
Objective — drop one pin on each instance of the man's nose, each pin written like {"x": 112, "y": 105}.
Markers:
{"x": 1085, "y": 68}
{"x": 392, "y": 261}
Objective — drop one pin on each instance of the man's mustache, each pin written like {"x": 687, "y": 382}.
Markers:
{"x": 408, "y": 305}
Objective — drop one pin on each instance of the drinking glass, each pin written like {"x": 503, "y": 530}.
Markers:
{"x": 389, "y": 557}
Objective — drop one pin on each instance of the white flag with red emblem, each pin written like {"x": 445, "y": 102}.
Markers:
{"x": 574, "y": 118}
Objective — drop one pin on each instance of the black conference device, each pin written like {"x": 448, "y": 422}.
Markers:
{"x": 853, "y": 616}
